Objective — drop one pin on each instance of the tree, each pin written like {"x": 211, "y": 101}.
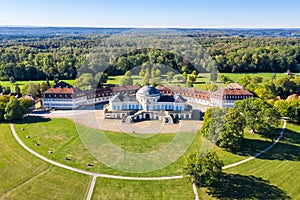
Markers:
{"x": 211, "y": 86}
{"x": 4, "y": 99}
{"x": 146, "y": 77}
{"x": 170, "y": 76}
{"x": 260, "y": 117}
{"x": 222, "y": 78}
{"x": 157, "y": 72}
{"x": 100, "y": 79}
{"x": 142, "y": 73}
{"x": 214, "y": 74}
{"x": 31, "y": 89}
{"x": 232, "y": 135}
{"x": 127, "y": 79}
{"x": 282, "y": 107}
{"x": 184, "y": 76}
{"x": 184, "y": 68}
{"x": 288, "y": 108}
{"x": 213, "y": 123}
{"x": 17, "y": 89}
{"x": 203, "y": 170}
{"x": 6, "y": 90}
{"x": 56, "y": 80}
{"x": 43, "y": 87}
{"x": 12, "y": 79}
{"x": 26, "y": 104}
{"x": 48, "y": 83}
{"x": 192, "y": 78}
{"x": 85, "y": 81}
{"x": 285, "y": 87}
{"x": 13, "y": 110}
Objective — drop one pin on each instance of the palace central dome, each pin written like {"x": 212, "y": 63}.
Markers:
{"x": 148, "y": 91}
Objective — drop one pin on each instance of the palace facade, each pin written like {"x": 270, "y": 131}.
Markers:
{"x": 128, "y": 98}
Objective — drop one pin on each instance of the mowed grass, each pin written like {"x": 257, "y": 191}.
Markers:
{"x": 274, "y": 175}
{"x": 22, "y": 83}
{"x": 60, "y": 136}
{"x": 125, "y": 189}
{"x": 201, "y": 81}
{"x": 278, "y": 168}
{"x": 23, "y": 176}
{"x": 266, "y": 76}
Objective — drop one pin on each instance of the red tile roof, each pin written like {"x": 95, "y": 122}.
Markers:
{"x": 59, "y": 91}
{"x": 235, "y": 86}
{"x": 231, "y": 92}
{"x": 183, "y": 91}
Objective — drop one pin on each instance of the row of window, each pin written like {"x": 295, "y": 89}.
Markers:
{"x": 236, "y": 97}
{"x": 57, "y": 105}
{"x": 137, "y": 107}
{"x": 61, "y": 100}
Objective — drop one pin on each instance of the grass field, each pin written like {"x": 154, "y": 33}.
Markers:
{"x": 22, "y": 83}
{"x": 23, "y": 176}
{"x": 201, "y": 81}
{"x": 61, "y": 137}
{"x": 274, "y": 175}
{"x": 151, "y": 190}
{"x": 64, "y": 141}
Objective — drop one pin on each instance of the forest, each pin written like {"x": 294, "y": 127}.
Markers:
{"x": 66, "y": 56}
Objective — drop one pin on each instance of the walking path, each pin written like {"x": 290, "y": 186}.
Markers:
{"x": 95, "y": 175}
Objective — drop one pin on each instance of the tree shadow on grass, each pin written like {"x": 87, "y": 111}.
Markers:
{"x": 235, "y": 186}
{"x": 32, "y": 120}
{"x": 288, "y": 148}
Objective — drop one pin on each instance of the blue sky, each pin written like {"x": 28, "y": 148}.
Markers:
{"x": 152, "y": 13}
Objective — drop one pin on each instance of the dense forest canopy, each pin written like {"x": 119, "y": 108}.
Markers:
{"x": 65, "y": 53}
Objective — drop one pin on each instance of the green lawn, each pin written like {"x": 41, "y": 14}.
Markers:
{"x": 274, "y": 175}
{"x": 61, "y": 137}
{"x": 201, "y": 81}
{"x": 23, "y": 176}
{"x": 22, "y": 83}
{"x": 124, "y": 189}
{"x": 266, "y": 76}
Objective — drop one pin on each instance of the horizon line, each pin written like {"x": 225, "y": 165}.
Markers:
{"x": 136, "y": 27}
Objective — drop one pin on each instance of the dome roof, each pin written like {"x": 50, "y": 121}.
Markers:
{"x": 148, "y": 91}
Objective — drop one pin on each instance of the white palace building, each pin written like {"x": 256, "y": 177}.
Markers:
{"x": 134, "y": 103}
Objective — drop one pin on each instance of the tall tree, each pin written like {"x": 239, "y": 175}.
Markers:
{"x": 31, "y": 89}
{"x": 4, "y": 99}
{"x": 214, "y": 74}
{"x": 13, "y": 110}
{"x": 170, "y": 76}
{"x": 260, "y": 117}
{"x": 127, "y": 79}
{"x": 203, "y": 170}
{"x": 17, "y": 89}
{"x": 146, "y": 77}
{"x": 213, "y": 123}
{"x": 232, "y": 135}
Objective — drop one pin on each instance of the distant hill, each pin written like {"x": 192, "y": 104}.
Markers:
{"x": 48, "y": 31}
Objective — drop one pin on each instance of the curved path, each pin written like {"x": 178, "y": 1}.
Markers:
{"x": 95, "y": 175}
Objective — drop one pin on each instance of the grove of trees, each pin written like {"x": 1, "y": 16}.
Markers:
{"x": 66, "y": 57}
{"x": 12, "y": 108}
